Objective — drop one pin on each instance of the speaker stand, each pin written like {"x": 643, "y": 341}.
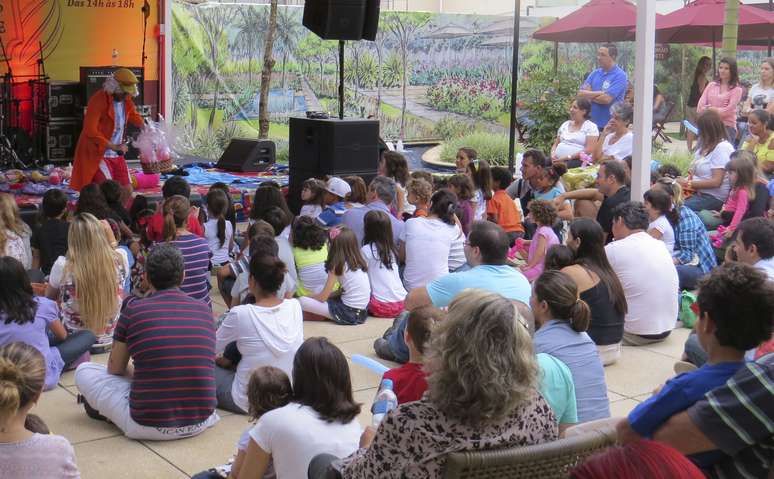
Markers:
{"x": 341, "y": 79}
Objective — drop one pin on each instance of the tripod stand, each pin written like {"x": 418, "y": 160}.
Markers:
{"x": 8, "y": 156}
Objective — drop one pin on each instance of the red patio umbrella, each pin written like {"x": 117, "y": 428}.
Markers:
{"x": 595, "y": 22}
{"x": 701, "y": 21}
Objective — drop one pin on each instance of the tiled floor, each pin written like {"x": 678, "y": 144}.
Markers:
{"x": 102, "y": 452}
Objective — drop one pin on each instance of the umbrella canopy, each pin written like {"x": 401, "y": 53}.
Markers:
{"x": 701, "y": 21}
{"x": 595, "y": 22}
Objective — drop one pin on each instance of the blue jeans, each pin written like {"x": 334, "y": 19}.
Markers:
{"x": 224, "y": 379}
{"x": 74, "y": 345}
{"x": 694, "y": 352}
{"x": 688, "y": 276}
{"x": 702, "y": 201}
{"x": 396, "y": 341}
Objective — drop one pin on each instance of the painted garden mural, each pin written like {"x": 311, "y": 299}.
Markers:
{"x": 425, "y": 77}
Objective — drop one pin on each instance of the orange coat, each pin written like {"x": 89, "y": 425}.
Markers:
{"x": 98, "y": 127}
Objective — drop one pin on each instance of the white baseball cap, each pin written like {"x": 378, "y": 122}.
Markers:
{"x": 338, "y": 187}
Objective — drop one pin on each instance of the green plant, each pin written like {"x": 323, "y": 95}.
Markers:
{"x": 681, "y": 160}
{"x": 449, "y": 128}
{"x": 489, "y": 146}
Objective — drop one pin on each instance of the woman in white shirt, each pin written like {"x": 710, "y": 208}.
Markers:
{"x": 761, "y": 95}
{"x": 267, "y": 333}
{"x": 321, "y": 419}
{"x": 576, "y": 136}
{"x": 426, "y": 243}
{"x": 707, "y": 179}
{"x": 662, "y": 215}
{"x": 617, "y": 140}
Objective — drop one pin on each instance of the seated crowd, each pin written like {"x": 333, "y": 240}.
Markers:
{"x": 509, "y": 298}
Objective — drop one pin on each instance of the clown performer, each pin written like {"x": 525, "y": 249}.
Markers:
{"x": 101, "y": 146}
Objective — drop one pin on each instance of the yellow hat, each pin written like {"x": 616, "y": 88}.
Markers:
{"x": 127, "y": 80}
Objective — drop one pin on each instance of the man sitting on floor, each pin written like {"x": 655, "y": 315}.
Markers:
{"x": 487, "y": 252}
{"x": 647, "y": 274}
{"x": 169, "y": 393}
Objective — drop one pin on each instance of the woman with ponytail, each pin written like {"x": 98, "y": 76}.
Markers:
{"x": 88, "y": 282}
{"x": 562, "y": 319}
{"x": 196, "y": 252}
{"x": 427, "y": 243}
{"x": 24, "y": 453}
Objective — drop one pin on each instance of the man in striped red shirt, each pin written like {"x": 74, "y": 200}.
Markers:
{"x": 169, "y": 391}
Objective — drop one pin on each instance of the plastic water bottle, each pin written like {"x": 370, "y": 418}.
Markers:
{"x": 385, "y": 401}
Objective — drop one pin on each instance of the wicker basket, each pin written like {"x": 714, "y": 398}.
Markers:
{"x": 155, "y": 167}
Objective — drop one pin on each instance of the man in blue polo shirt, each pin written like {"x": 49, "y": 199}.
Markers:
{"x": 487, "y": 252}
{"x": 381, "y": 194}
{"x": 604, "y": 86}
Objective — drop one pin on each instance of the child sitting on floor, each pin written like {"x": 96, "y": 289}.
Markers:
{"x": 736, "y": 304}
{"x": 409, "y": 381}
{"x": 217, "y": 230}
{"x": 227, "y": 277}
{"x": 269, "y": 388}
{"x": 310, "y": 251}
{"x": 544, "y": 215}
{"x": 49, "y": 238}
{"x": 313, "y": 196}
{"x": 381, "y": 255}
{"x": 501, "y": 209}
{"x": 743, "y": 173}
{"x": 461, "y": 186}
{"x": 418, "y": 192}
{"x": 662, "y": 215}
{"x": 345, "y": 265}
{"x": 481, "y": 176}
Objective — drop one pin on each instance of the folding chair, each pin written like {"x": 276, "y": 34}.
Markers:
{"x": 659, "y": 123}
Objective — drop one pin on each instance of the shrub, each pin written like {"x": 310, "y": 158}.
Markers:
{"x": 681, "y": 160}
{"x": 489, "y": 146}
{"x": 479, "y": 99}
{"x": 449, "y": 128}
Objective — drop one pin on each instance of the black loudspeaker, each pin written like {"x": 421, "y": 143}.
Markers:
{"x": 92, "y": 79}
{"x": 320, "y": 147}
{"x": 342, "y": 19}
{"x": 246, "y": 155}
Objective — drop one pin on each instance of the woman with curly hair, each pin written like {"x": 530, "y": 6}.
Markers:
{"x": 482, "y": 380}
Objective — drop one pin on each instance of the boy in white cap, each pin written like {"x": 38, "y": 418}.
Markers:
{"x": 336, "y": 190}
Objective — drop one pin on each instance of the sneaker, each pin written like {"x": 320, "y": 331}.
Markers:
{"x": 90, "y": 411}
{"x": 383, "y": 350}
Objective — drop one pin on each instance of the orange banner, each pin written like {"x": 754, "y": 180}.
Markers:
{"x": 75, "y": 33}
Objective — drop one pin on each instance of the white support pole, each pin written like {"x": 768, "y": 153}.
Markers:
{"x": 167, "y": 60}
{"x": 643, "y": 94}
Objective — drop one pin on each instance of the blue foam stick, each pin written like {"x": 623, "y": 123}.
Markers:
{"x": 690, "y": 127}
{"x": 371, "y": 364}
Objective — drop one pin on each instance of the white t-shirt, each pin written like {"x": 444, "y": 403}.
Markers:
{"x": 760, "y": 97}
{"x": 428, "y": 243}
{"x": 572, "y": 142}
{"x": 312, "y": 211}
{"x": 663, "y": 226}
{"x": 457, "y": 249}
{"x": 264, "y": 337}
{"x": 356, "y": 290}
{"x": 480, "y": 213}
{"x": 40, "y": 455}
{"x": 385, "y": 283}
{"x": 285, "y": 255}
{"x": 649, "y": 280}
{"x": 219, "y": 253}
{"x": 717, "y": 159}
{"x": 294, "y": 434}
{"x": 621, "y": 148}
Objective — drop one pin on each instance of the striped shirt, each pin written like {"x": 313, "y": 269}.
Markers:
{"x": 171, "y": 339}
{"x": 196, "y": 254}
{"x": 739, "y": 419}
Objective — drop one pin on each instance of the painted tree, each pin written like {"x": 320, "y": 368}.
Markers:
{"x": 287, "y": 32}
{"x": 318, "y": 50}
{"x": 213, "y": 22}
{"x": 268, "y": 65}
{"x": 250, "y": 26}
{"x": 730, "y": 28}
{"x": 404, "y": 28}
{"x": 379, "y": 44}
{"x": 188, "y": 61}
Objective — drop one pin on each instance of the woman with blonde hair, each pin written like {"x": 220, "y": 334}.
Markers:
{"x": 482, "y": 378}
{"x": 195, "y": 250}
{"x": 14, "y": 233}
{"x": 88, "y": 280}
{"x": 24, "y": 453}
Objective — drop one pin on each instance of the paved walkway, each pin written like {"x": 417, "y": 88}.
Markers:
{"x": 103, "y": 452}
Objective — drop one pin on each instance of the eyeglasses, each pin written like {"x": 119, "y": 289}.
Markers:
{"x": 667, "y": 180}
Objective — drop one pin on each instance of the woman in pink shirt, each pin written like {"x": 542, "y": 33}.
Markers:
{"x": 723, "y": 95}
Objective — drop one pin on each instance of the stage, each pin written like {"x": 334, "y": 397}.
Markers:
{"x": 200, "y": 175}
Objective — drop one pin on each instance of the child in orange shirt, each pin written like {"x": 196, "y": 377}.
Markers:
{"x": 501, "y": 209}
